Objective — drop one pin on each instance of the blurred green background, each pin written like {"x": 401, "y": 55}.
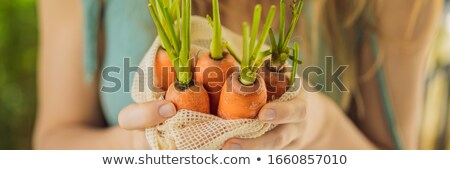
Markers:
{"x": 18, "y": 53}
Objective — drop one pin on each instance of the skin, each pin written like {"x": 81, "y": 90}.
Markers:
{"x": 310, "y": 121}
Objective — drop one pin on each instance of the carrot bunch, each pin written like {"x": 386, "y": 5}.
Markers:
{"x": 225, "y": 84}
{"x": 274, "y": 71}
{"x": 184, "y": 92}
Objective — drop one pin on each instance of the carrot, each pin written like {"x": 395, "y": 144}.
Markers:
{"x": 277, "y": 81}
{"x": 191, "y": 97}
{"x": 274, "y": 71}
{"x": 212, "y": 75}
{"x": 184, "y": 92}
{"x": 214, "y": 67}
{"x": 245, "y": 92}
{"x": 164, "y": 73}
{"x": 239, "y": 101}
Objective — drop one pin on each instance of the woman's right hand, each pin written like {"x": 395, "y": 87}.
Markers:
{"x": 137, "y": 117}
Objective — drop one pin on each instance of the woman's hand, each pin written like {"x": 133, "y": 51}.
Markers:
{"x": 291, "y": 119}
{"x": 137, "y": 117}
{"x": 309, "y": 121}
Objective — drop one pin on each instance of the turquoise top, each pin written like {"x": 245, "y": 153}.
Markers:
{"x": 129, "y": 32}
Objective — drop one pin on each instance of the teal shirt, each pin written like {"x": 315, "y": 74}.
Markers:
{"x": 129, "y": 33}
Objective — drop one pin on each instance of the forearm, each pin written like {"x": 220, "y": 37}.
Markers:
{"x": 84, "y": 137}
{"x": 335, "y": 130}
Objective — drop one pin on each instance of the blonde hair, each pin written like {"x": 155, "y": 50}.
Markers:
{"x": 343, "y": 23}
{"x": 336, "y": 26}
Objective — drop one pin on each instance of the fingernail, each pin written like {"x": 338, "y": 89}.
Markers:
{"x": 269, "y": 114}
{"x": 235, "y": 146}
{"x": 167, "y": 110}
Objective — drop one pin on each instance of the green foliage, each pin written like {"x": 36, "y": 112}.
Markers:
{"x": 252, "y": 57}
{"x": 217, "y": 45}
{"x": 176, "y": 43}
{"x": 18, "y": 53}
{"x": 280, "y": 49}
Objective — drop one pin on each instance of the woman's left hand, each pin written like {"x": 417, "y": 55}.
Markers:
{"x": 291, "y": 119}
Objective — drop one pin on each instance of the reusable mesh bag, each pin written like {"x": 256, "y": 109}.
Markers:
{"x": 190, "y": 130}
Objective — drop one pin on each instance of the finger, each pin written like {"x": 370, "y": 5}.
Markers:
{"x": 293, "y": 111}
{"x": 141, "y": 116}
{"x": 276, "y": 139}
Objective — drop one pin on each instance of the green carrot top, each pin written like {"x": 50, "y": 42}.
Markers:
{"x": 252, "y": 57}
{"x": 280, "y": 50}
{"x": 175, "y": 38}
{"x": 217, "y": 45}
{"x": 295, "y": 63}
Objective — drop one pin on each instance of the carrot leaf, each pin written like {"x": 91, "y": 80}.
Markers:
{"x": 233, "y": 53}
{"x": 162, "y": 34}
{"x": 216, "y": 44}
{"x": 169, "y": 26}
{"x": 282, "y": 20}
{"x": 265, "y": 31}
{"x": 273, "y": 42}
{"x": 255, "y": 26}
{"x": 293, "y": 58}
{"x": 298, "y": 10}
{"x": 281, "y": 53}
{"x": 245, "y": 49}
{"x": 185, "y": 75}
{"x": 175, "y": 36}
{"x": 294, "y": 64}
{"x": 252, "y": 58}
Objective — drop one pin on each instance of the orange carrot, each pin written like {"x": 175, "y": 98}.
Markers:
{"x": 274, "y": 70}
{"x": 238, "y": 101}
{"x": 164, "y": 67}
{"x": 192, "y": 97}
{"x": 164, "y": 72}
{"x": 277, "y": 81}
{"x": 214, "y": 67}
{"x": 185, "y": 93}
{"x": 213, "y": 74}
{"x": 244, "y": 93}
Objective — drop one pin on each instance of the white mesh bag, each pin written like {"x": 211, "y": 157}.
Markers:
{"x": 189, "y": 130}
